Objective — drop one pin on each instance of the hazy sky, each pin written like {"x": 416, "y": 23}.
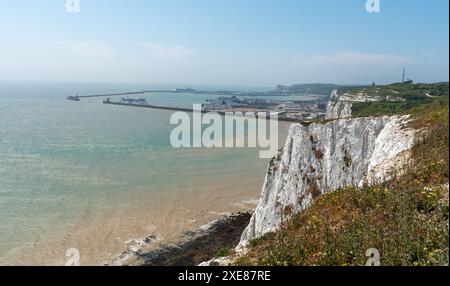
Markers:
{"x": 226, "y": 42}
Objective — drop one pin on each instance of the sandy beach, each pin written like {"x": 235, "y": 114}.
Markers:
{"x": 165, "y": 217}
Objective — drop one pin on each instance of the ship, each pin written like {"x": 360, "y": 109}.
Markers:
{"x": 134, "y": 101}
{"x": 73, "y": 98}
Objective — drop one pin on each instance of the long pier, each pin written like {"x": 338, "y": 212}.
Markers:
{"x": 267, "y": 116}
{"x": 78, "y": 97}
{"x": 150, "y": 106}
{"x": 178, "y": 90}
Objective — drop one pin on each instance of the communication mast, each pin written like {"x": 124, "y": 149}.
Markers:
{"x": 406, "y": 80}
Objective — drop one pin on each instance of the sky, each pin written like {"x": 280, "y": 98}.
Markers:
{"x": 224, "y": 42}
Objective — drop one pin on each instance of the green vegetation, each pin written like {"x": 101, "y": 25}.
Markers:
{"x": 309, "y": 88}
{"x": 351, "y": 88}
{"x": 413, "y": 96}
{"x": 405, "y": 218}
{"x": 419, "y": 90}
{"x": 224, "y": 252}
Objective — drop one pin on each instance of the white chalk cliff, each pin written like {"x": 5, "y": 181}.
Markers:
{"x": 338, "y": 108}
{"x": 324, "y": 157}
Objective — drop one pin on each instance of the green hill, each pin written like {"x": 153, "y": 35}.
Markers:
{"x": 413, "y": 96}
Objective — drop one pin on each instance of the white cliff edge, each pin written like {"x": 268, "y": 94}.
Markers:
{"x": 324, "y": 157}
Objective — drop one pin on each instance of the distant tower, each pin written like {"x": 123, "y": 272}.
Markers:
{"x": 406, "y": 80}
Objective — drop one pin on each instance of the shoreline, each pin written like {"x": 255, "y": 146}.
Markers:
{"x": 193, "y": 248}
{"x": 113, "y": 243}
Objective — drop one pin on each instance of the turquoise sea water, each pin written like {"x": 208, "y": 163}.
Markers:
{"x": 63, "y": 161}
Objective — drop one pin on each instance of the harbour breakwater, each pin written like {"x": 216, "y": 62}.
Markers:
{"x": 78, "y": 97}
{"x": 189, "y": 110}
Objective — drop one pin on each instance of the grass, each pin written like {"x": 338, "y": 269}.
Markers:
{"x": 405, "y": 218}
{"x": 414, "y": 96}
{"x": 412, "y": 91}
{"x": 224, "y": 252}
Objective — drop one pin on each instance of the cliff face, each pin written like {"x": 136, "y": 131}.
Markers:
{"x": 338, "y": 108}
{"x": 324, "y": 157}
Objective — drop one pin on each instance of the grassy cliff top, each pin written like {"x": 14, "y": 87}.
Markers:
{"x": 405, "y": 90}
{"x": 411, "y": 97}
